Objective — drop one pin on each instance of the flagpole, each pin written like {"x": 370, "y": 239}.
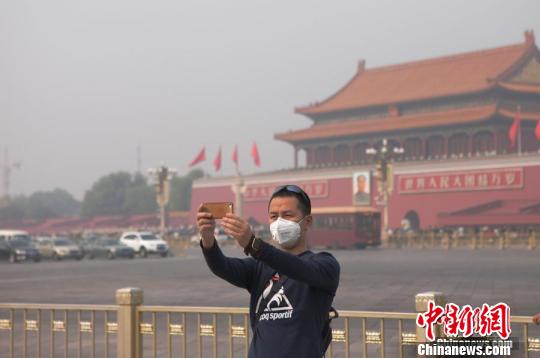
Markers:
{"x": 519, "y": 130}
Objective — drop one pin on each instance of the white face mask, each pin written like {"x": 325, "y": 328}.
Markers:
{"x": 286, "y": 232}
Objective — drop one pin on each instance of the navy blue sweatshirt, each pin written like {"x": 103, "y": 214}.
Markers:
{"x": 291, "y": 324}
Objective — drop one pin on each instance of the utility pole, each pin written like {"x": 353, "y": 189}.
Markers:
{"x": 6, "y": 169}
{"x": 139, "y": 158}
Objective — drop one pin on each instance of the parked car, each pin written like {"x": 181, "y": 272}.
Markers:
{"x": 219, "y": 234}
{"x": 109, "y": 248}
{"x": 22, "y": 249}
{"x": 8, "y": 235}
{"x": 18, "y": 250}
{"x": 145, "y": 243}
{"x": 59, "y": 248}
{"x": 87, "y": 243}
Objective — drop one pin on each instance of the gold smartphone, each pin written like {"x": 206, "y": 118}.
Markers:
{"x": 218, "y": 210}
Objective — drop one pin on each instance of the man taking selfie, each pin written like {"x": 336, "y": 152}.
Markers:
{"x": 291, "y": 288}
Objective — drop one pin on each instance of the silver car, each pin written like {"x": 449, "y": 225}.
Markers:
{"x": 59, "y": 248}
{"x": 109, "y": 248}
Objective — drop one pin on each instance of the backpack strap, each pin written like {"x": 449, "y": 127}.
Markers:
{"x": 264, "y": 300}
{"x": 332, "y": 314}
{"x": 327, "y": 330}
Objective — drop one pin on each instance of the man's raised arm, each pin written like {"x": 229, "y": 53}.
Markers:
{"x": 238, "y": 272}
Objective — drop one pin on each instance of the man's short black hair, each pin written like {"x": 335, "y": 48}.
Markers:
{"x": 304, "y": 203}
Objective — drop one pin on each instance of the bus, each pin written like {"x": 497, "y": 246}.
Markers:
{"x": 345, "y": 227}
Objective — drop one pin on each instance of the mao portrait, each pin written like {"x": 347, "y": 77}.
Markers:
{"x": 361, "y": 188}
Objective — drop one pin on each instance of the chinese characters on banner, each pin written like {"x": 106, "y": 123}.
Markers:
{"x": 485, "y": 320}
{"x": 489, "y": 179}
{"x": 262, "y": 192}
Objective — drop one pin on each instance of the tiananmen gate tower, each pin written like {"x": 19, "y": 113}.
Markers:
{"x": 451, "y": 115}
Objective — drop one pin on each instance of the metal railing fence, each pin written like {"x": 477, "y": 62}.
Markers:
{"x": 131, "y": 329}
{"x": 470, "y": 240}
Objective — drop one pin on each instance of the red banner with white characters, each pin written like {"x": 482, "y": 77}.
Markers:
{"x": 262, "y": 192}
{"x": 487, "y": 179}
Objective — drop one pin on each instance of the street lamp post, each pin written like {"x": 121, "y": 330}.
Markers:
{"x": 384, "y": 156}
{"x": 161, "y": 178}
{"x": 239, "y": 188}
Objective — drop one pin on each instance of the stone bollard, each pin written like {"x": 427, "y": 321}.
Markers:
{"x": 447, "y": 242}
{"x": 455, "y": 240}
{"x": 532, "y": 240}
{"x": 392, "y": 240}
{"x": 481, "y": 239}
{"x": 502, "y": 241}
{"x": 421, "y": 303}
{"x": 129, "y": 344}
{"x": 410, "y": 239}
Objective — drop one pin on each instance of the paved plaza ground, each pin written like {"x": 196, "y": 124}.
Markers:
{"x": 373, "y": 279}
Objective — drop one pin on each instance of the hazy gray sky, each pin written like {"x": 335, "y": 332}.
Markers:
{"x": 83, "y": 82}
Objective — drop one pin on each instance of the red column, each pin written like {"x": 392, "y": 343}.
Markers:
{"x": 348, "y": 159}
{"x": 309, "y": 156}
{"x": 470, "y": 145}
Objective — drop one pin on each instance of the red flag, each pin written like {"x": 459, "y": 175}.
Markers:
{"x": 255, "y": 154}
{"x": 537, "y": 130}
{"x": 235, "y": 155}
{"x": 217, "y": 161}
{"x": 201, "y": 157}
{"x": 514, "y": 129}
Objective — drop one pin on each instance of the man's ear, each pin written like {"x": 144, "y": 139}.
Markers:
{"x": 309, "y": 221}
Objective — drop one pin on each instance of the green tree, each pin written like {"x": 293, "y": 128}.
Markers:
{"x": 14, "y": 208}
{"x": 41, "y": 205}
{"x": 47, "y": 204}
{"x": 107, "y": 196}
{"x": 119, "y": 194}
{"x": 181, "y": 190}
{"x": 140, "y": 197}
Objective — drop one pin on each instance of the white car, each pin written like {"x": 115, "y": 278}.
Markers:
{"x": 145, "y": 243}
{"x": 219, "y": 234}
{"x": 8, "y": 235}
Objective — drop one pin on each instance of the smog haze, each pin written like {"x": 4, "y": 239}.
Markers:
{"x": 86, "y": 82}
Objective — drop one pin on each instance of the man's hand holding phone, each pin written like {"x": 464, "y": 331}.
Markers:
{"x": 234, "y": 226}
{"x": 237, "y": 228}
{"x": 206, "y": 220}
{"x": 206, "y": 225}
